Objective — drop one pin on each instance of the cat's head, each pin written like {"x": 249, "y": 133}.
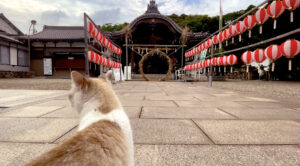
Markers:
{"x": 83, "y": 89}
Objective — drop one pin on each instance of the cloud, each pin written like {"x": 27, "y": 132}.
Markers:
{"x": 53, "y": 17}
{"x": 70, "y": 12}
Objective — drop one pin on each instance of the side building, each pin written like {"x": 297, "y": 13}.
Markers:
{"x": 14, "y": 58}
{"x": 57, "y": 50}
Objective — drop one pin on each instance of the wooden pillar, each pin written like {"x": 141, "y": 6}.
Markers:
{"x": 173, "y": 59}
{"x": 132, "y": 61}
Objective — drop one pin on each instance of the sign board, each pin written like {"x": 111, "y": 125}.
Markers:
{"x": 203, "y": 55}
{"x": 47, "y": 66}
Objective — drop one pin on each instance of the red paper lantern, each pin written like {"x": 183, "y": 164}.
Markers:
{"x": 91, "y": 28}
{"x": 97, "y": 57}
{"x": 232, "y": 31}
{"x": 258, "y": 56}
{"x": 275, "y": 9}
{"x": 220, "y": 61}
{"x": 208, "y": 43}
{"x": 291, "y": 5}
{"x": 273, "y": 53}
{"x": 250, "y": 22}
{"x": 231, "y": 60}
{"x": 226, "y": 35}
{"x": 240, "y": 28}
{"x": 100, "y": 60}
{"x": 261, "y": 17}
{"x": 289, "y": 49}
{"x": 215, "y": 40}
{"x": 224, "y": 62}
{"x": 220, "y": 37}
{"x": 247, "y": 58}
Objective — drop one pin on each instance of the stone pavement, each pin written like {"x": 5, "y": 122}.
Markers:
{"x": 174, "y": 123}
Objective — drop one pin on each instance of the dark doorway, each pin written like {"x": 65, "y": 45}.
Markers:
{"x": 156, "y": 64}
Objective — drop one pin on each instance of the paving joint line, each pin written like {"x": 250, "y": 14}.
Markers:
{"x": 203, "y": 132}
{"x": 52, "y": 111}
{"x": 178, "y": 144}
{"x": 140, "y": 113}
{"x": 220, "y": 109}
{"x": 64, "y": 134}
{"x": 175, "y": 103}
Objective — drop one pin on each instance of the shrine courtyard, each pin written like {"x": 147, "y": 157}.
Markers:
{"x": 174, "y": 123}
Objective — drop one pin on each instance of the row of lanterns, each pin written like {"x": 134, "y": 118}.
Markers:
{"x": 289, "y": 49}
{"x": 274, "y": 10}
{"x": 100, "y": 60}
{"x": 218, "y": 61}
{"x": 98, "y": 36}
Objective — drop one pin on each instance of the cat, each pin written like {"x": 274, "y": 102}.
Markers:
{"x": 104, "y": 135}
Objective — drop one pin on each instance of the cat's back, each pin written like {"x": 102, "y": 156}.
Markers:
{"x": 101, "y": 143}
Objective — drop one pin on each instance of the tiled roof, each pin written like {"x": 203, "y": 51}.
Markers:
{"x": 11, "y": 25}
{"x": 59, "y": 33}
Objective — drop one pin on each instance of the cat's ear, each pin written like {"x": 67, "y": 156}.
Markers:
{"x": 108, "y": 76}
{"x": 78, "y": 79}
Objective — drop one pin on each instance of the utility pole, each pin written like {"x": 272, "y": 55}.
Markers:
{"x": 220, "y": 21}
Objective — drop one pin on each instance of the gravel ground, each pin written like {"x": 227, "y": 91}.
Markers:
{"x": 272, "y": 89}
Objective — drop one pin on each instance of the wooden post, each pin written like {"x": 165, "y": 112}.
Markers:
{"x": 132, "y": 61}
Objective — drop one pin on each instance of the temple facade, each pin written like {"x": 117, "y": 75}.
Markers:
{"x": 57, "y": 50}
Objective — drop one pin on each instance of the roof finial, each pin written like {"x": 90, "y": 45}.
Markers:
{"x": 152, "y": 7}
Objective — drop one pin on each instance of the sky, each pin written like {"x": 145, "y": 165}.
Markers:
{"x": 70, "y": 12}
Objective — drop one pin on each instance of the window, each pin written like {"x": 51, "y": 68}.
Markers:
{"x": 4, "y": 55}
{"x": 23, "y": 59}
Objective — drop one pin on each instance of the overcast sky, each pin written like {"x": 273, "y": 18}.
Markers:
{"x": 70, "y": 12}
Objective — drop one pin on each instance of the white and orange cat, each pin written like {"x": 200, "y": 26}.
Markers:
{"x": 104, "y": 134}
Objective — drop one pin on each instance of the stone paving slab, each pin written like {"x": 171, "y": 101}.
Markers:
{"x": 31, "y": 111}
{"x": 184, "y": 113}
{"x": 163, "y": 131}
{"x": 264, "y": 113}
{"x": 149, "y": 103}
{"x": 12, "y": 154}
{"x": 34, "y": 129}
{"x": 133, "y": 112}
{"x": 181, "y": 97}
{"x": 212, "y": 155}
{"x": 222, "y": 98}
{"x": 210, "y": 104}
{"x": 65, "y": 112}
{"x": 261, "y": 104}
{"x": 64, "y": 102}
{"x": 251, "y": 132}
{"x": 261, "y": 99}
